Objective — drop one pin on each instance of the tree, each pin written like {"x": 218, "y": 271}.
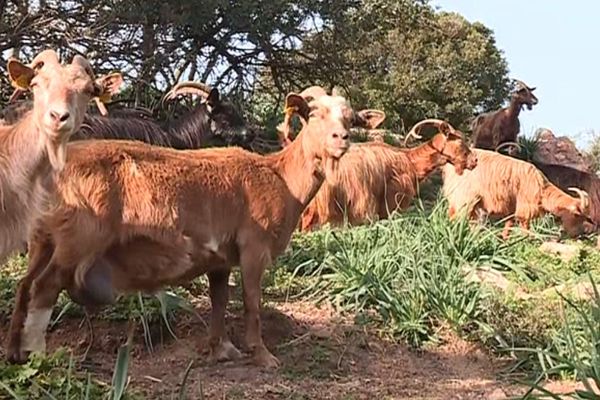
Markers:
{"x": 403, "y": 57}
{"x": 157, "y": 43}
{"x": 398, "y": 55}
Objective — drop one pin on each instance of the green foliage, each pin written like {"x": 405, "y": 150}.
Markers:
{"x": 414, "y": 63}
{"x": 50, "y": 377}
{"x": 409, "y": 270}
{"x": 578, "y": 352}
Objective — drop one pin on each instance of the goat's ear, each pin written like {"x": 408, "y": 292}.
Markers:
{"x": 294, "y": 103}
{"x": 110, "y": 84}
{"x": 369, "y": 119}
{"x": 104, "y": 88}
{"x": 20, "y": 74}
{"x": 213, "y": 97}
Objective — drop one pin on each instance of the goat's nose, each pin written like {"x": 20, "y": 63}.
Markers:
{"x": 341, "y": 135}
{"x": 60, "y": 116}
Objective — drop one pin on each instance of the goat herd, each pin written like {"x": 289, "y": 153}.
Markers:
{"x": 103, "y": 217}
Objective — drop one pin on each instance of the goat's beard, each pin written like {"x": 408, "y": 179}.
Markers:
{"x": 57, "y": 154}
{"x": 330, "y": 167}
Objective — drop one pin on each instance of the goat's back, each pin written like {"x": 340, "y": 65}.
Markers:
{"x": 358, "y": 186}
{"x": 502, "y": 185}
{"x": 132, "y": 189}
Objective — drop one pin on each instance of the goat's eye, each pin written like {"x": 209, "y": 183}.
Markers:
{"x": 335, "y": 136}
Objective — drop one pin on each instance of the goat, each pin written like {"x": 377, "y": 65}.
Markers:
{"x": 567, "y": 177}
{"x": 314, "y": 92}
{"x": 32, "y": 149}
{"x": 491, "y": 129}
{"x": 212, "y": 122}
{"x": 129, "y": 216}
{"x": 505, "y": 187}
{"x": 373, "y": 179}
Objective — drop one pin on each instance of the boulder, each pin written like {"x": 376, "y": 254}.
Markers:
{"x": 560, "y": 150}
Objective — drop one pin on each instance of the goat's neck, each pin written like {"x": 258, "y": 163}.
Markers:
{"x": 24, "y": 150}
{"x": 425, "y": 159}
{"x": 514, "y": 108}
{"x": 553, "y": 199}
{"x": 302, "y": 172}
{"x": 191, "y": 130}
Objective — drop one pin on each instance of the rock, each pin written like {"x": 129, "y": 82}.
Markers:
{"x": 565, "y": 251}
{"x": 490, "y": 277}
{"x": 578, "y": 291}
{"x": 560, "y": 150}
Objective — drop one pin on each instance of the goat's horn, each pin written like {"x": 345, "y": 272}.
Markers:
{"x": 508, "y": 144}
{"x": 523, "y": 84}
{"x": 426, "y": 122}
{"x": 313, "y": 92}
{"x": 45, "y": 57}
{"x": 188, "y": 87}
{"x": 583, "y": 196}
{"x": 15, "y": 95}
{"x": 83, "y": 63}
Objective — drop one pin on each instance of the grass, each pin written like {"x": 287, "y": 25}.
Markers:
{"x": 406, "y": 278}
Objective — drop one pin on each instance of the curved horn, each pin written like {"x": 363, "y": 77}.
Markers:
{"x": 426, "y": 122}
{"x": 83, "y": 63}
{"x": 523, "y": 84}
{"x": 584, "y": 197}
{"x": 45, "y": 57}
{"x": 187, "y": 87}
{"x": 508, "y": 144}
{"x": 336, "y": 92}
{"x": 15, "y": 96}
{"x": 313, "y": 92}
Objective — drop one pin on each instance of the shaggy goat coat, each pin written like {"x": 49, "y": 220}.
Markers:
{"x": 501, "y": 186}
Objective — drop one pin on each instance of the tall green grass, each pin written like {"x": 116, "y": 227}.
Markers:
{"x": 578, "y": 354}
{"x": 408, "y": 275}
{"x": 408, "y": 272}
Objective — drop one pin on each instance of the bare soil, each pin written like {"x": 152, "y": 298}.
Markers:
{"x": 323, "y": 356}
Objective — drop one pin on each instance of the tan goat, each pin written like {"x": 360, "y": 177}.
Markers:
{"x": 505, "y": 187}
{"x": 35, "y": 146}
{"x": 132, "y": 217}
{"x": 374, "y": 179}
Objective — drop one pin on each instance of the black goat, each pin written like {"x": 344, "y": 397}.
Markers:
{"x": 213, "y": 122}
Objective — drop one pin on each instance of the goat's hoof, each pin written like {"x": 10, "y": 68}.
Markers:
{"x": 263, "y": 358}
{"x": 224, "y": 351}
{"x": 17, "y": 356}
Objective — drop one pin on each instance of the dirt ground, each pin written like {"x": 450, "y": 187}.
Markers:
{"x": 323, "y": 357}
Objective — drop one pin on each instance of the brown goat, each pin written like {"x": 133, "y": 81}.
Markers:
{"x": 374, "y": 179}
{"x": 489, "y": 130}
{"x": 35, "y": 146}
{"x": 505, "y": 187}
{"x": 130, "y": 216}
{"x": 375, "y": 117}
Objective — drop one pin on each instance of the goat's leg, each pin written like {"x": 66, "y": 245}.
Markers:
{"x": 524, "y": 224}
{"x": 220, "y": 345}
{"x": 43, "y": 296}
{"x": 253, "y": 263}
{"x": 507, "y": 227}
{"x": 40, "y": 254}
